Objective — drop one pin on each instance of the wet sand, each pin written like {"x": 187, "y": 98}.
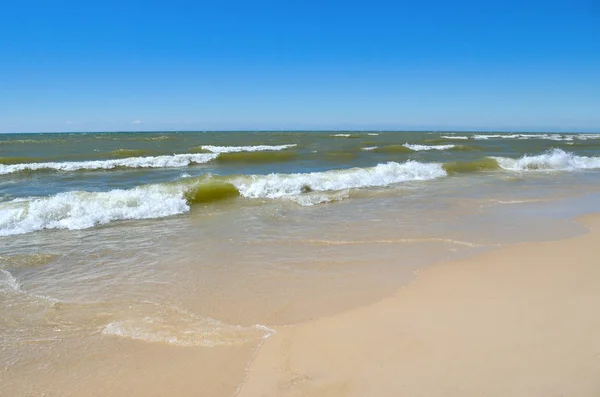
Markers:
{"x": 122, "y": 368}
{"x": 517, "y": 321}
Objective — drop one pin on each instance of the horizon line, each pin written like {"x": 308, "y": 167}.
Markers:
{"x": 491, "y": 131}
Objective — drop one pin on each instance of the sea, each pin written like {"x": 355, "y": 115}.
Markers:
{"x": 166, "y": 254}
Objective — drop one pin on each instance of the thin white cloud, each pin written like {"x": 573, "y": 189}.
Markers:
{"x": 136, "y": 122}
{"x": 68, "y": 122}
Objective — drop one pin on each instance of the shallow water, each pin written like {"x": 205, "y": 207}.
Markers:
{"x": 204, "y": 240}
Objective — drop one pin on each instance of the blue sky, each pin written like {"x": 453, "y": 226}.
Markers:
{"x": 173, "y": 65}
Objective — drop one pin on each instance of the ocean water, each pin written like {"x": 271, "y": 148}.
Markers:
{"x": 119, "y": 242}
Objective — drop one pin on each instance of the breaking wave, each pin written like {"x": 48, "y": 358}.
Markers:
{"x": 255, "y": 148}
{"x": 551, "y": 137}
{"x": 176, "y": 160}
{"x": 419, "y": 148}
{"x": 392, "y": 149}
{"x": 460, "y": 137}
{"x": 552, "y": 160}
{"x": 199, "y": 155}
{"x": 554, "y": 137}
{"x": 281, "y": 185}
{"x": 81, "y": 210}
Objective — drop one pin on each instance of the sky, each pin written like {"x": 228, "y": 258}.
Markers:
{"x": 248, "y": 65}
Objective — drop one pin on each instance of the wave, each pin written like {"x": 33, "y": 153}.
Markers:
{"x": 393, "y": 149}
{"x": 408, "y": 147}
{"x": 585, "y": 137}
{"x": 210, "y": 189}
{"x": 461, "y": 167}
{"x": 342, "y": 135}
{"x": 338, "y": 156}
{"x": 198, "y": 149}
{"x": 130, "y": 152}
{"x": 8, "y": 282}
{"x": 256, "y": 157}
{"x": 176, "y": 160}
{"x": 30, "y": 141}
{"x": 436, "y": 141}
{"x": 154, "y": 323}
{"x": 255, "y": 148}
{"x": 81, "y": 210}
{"x": 17, "y": 160}
{"x": 418, "y": 148}
{"x": 551, "y": 137}
{"x": 27, "y": 261}
{"x": 282, "y": 185}
{"x": 508, "y": 136}
{"x": 120, "y": 136}
{"x": 552, "y": 160}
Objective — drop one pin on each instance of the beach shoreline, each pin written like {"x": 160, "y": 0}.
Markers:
{"x": 517, "y": 320}
{"x": 163, "y": 263}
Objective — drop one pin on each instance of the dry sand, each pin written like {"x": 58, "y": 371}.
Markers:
{"x": 518, "y": 321}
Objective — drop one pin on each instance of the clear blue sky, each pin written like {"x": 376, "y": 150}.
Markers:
{"x": 149, "y": 65}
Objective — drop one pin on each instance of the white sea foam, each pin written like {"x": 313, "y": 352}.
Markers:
{"x": 255, "y": 148}
{"x": 368, "y": 148}
{"x": 342, "y": 135}
{"x": 282, "y": 185}
{"x": 373, "y": 134}
{"x": 552, "y": 160}
{"x": 310, "y": 199}
{"x": 81, "y": 210}
{"x": 418, "y": 148}
{"x": 8, "y": 281}
{"x": 176, "y": 160}
{"x": 552, "y": 137}
{"x": 173, "y": 326}
{"x": 585, "y": 137}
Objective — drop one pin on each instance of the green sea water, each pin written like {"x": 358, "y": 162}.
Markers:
{"x": 188, "y": 240}
{"x": 39, "y": 165}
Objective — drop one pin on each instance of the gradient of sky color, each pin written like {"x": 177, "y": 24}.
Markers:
{"x": 183, "y": 65}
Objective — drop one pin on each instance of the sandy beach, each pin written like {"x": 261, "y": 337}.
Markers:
{"x": 300, "y": 199}
{"x": 517, "y": 321}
